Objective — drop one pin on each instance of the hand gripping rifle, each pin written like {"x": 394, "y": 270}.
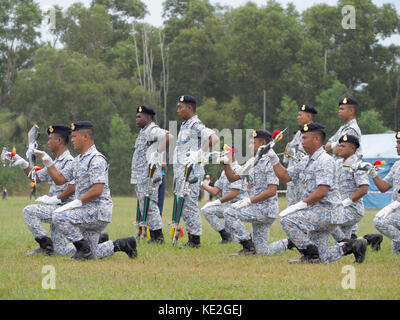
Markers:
{"x": 141, "y": 216}
{"x": 365, "y": 166}
{"x": 181, "y": 190}
{"x": 278, "y": 135}
{"x": 33, "y": 136}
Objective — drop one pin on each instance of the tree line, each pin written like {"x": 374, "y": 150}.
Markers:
{"x": 102, "y": 62}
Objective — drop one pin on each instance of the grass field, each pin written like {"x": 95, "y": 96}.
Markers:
{"x": 165, "y": 272}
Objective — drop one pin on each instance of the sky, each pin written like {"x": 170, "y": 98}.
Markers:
{"x": 154, "y": 7}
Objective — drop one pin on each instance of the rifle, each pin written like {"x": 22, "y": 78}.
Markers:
{"x": 365, "y": 166}
{"x": 253, "y": 161}
{"x": 33, "y": 136}
{"x": 141, "y": 217}
{"x": 182, "y": 190}
{"x": 297, "y": 156}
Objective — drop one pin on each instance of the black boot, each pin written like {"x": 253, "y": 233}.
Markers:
{"x": 358, "y": 247}
{"x": 127, "y": 245}
{"x": 225, "y": 236}
{"x": 194, "y": 242}
{"x": 310, "y": 255}
{"x": 46, "y": 247}
{"x": 290, "y": 245}
{"x": 83, "y": 251}
{"x": 103, "y": 237}
{"x": 375, "y": 240}
{"x": 156, "y": 236}
{"x": 248, "y": 248}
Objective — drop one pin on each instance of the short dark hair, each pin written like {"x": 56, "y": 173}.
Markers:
{"x": 63, "y": 137}
{"x": 320, "y": 133}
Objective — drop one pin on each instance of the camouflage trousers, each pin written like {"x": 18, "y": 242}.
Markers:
{"x": 312, "y": 226}
{"x": 35, "y": 215}
{"x": 293, "y": 193}
{"x": 344, "y": 231}
{"x": 82, "y": 223}
{"x": 213, "y": 215}
{"x": 390, "y": 227}
{"x": 261, "y": 225}
{"x": 191, "y": 212}
{"x": 153, "y": 220}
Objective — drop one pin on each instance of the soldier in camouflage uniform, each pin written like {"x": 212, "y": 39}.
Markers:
{"x": 310, "y": 222}
{"x": 353, "y": 185}
{"x": 347, "y": 114}
{"x": 260, "y": 207}
{"x": 294, "y": 151}
{"x": 149, "y": 147}
{"x": 36, "y": 214}
{"x": 387, "y": 220}
{"x": 194, "y": 140}
{"x": 82, "y": 220}
{"x": 230, "y": 193}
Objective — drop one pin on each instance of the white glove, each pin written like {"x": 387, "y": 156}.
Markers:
{"x": 70, "y": 205}
{"x": 223, "y": 159}
{"x": 372, "y": 173}
{"x": 273, "y": 157}
{"x": 211, "y": 203}
{"x": 347, "y": 202}
{"x": 19, "y": 161}
{"x": 333, "y": 145}
{"x": 48, "y": 200}
{"x": 295, "y": 207}
{"x": 195, "y": 157}
{"x": 241, "y": 203}
{"x": 46, "y": 159}
{"x": 155, "y": 159}
{"x": 388, "y": 209}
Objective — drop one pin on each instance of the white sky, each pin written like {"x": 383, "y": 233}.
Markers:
{"x": 154, "y": 8}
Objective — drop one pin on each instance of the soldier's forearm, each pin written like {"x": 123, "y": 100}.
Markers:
{"x": 359, "y": 193}
{"x": 56, "y": 175}
{"x": 231, "y": 175}
{"x": 282, "y": 173}
{"x": 68, "y": 192}
{"x": 270, "y": 192}
{"x": 229, "y": 196}
{"x": 317, "y": 195}
{"x": 381, "y": 184}
{"x": 92, "y": 193}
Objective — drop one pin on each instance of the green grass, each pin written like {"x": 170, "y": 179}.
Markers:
{"x": 165, "y": 272}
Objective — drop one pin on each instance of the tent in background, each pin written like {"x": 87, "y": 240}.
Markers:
{"x": 379, "y": 147}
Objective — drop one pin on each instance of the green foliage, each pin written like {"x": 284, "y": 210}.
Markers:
{"x": 370, "y": 122}
{"x": 119, "y": 151}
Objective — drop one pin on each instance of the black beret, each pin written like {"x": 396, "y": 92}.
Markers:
{"x": 262, "y": 134}
{"x": 350, "y": 139}
{"x": 187, "y": 99}
{"x": 350, "y": 101}
{"x": 398, "y": 135}
{"x": 59, "y": 128}
{"x": 80, "y": 125}
{"x": 307, "y": 108}
{"x": 146, "y": 110}
{"x": 313, "y": 126}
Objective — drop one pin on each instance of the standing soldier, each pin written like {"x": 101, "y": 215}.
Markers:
{"x": 310, "y": 222}
{"x": 230, "y": 193}
{"x": 353, "y": 185}
{"x": 82, "y": 220}
{"x": 347, "y": 114}
{"x": 36, "y": 214}
{"x": 387, "y": 220}
{"x": 260, "y": 207}
{"x": 295, "y": 151}
{"x": 194, "y": 140}
{"x": 149, "y": 147}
